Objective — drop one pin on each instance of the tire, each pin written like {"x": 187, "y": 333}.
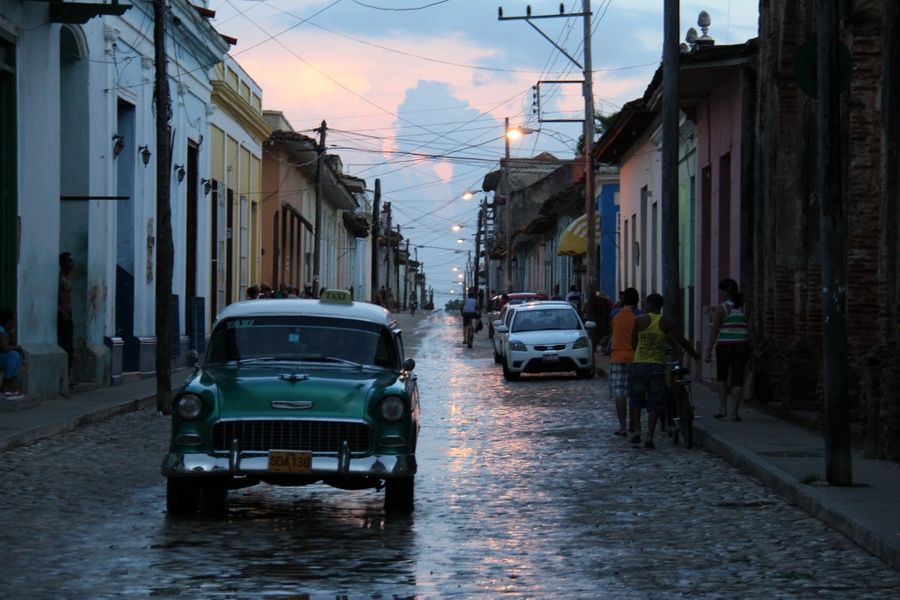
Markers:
{"x": 182, "y": 496}
{"x": 508, "y": 374}
{"x": 497, "y": 358}
{"x": 399, "y": 495}
{"x": 586, "y": 373}
{"x": 214, "y": 500}
{"x": 470, "y": 336}
{"x": 491, "y": 331}
{"x": 686, "y": 414}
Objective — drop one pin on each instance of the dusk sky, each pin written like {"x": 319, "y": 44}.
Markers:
{"x": 415, "y": 92}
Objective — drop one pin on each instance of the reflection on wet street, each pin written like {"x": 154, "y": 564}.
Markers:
{"x": 522, "y": 490}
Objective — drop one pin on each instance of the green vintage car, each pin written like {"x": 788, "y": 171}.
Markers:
{"x": 293, "y": 392}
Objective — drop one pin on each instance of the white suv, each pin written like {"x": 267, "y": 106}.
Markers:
{"x": 547, "y": 337}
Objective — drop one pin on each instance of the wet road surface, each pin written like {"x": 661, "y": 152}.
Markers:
{"x": 522, "y": 491}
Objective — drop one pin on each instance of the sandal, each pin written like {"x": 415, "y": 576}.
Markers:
{"x": 619, "y": 433}
{"x": 719, "y": 416}
{"x": 13, "y": 395}
{"x": 736, "y": 418}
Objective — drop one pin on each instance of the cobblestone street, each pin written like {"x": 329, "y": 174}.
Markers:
{"x": 522, "y": 490}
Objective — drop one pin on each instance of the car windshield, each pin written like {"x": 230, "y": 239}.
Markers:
{"x": 544, "y": 320}
{"x": 314, "y": 339}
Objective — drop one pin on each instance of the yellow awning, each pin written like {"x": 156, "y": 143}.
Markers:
{"x": 573, "y": 241}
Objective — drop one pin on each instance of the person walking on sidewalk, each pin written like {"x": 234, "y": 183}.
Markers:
{"x": 730, "y": 336}
{"x": 622, "y": 353}
{"x": 647, "y": 388}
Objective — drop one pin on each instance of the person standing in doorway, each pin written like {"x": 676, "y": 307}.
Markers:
{"x": 65, "y": 325}
{"x": 647, "y": 388}
{"x": 730, "y": 336}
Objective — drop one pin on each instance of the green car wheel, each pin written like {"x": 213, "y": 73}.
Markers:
{"x": 399, "y": 495}
{"x": 182, "y": 496}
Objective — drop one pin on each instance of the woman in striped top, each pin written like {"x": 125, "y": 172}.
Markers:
{"x": 731, "y": 339}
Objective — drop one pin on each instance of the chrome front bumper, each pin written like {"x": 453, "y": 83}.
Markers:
{"x": 257, "y": 463}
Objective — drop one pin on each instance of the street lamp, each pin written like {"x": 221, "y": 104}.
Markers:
{"x": 460, "y": 241}
{"x": 456, "y": 227}
{"x": 514, "y": 133}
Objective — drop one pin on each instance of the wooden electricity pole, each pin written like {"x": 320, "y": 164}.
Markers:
{"x": 669, "y": 200}
{"x": 376, "y": 216}
{"x": 833, "y": 242}
{"x": 164, "y": 246}
{"x": 590, "y": 201}
{"x": 477, "y": 278}
{"x": 320, "y": 193}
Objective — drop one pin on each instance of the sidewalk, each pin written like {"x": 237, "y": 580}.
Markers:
{"x": 790, "y": 460}
{"x": 785, "y": 457}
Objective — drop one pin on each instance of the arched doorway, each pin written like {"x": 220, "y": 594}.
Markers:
{"x": 74, "y": 182}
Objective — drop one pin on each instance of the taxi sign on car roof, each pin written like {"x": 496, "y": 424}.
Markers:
{"x": 336, "y": 297}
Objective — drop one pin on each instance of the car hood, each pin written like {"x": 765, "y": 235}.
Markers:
{"x": 553, "y": 336}
{"x": 295, "y": 390}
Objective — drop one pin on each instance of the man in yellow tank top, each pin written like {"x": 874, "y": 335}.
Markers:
{"x": 647, "y": 387}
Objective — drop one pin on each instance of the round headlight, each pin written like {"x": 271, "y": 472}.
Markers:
{"x": 188, "y": 407}
{"x": 392, "y": 409}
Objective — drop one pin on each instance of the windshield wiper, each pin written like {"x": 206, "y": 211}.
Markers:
{"x": 324, "y": 358}
{"x": 253, "y": 359}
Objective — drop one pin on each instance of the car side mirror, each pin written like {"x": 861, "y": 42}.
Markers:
{"x": 193, "y": 358}
{"x": 409, "y": 364}
{"x": 501, "y": 328}
{"x": 589, "y": 324}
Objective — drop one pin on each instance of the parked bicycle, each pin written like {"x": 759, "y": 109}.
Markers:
{"x": 680, "y": 405}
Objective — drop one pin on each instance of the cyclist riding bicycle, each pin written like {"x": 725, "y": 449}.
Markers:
{"x": 469, "y": 308}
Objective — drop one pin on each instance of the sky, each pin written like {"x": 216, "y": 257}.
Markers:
{"x": 415, "y": 92}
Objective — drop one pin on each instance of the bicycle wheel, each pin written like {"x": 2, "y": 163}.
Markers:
{"x": 470, "y": 333}
{"x": 686, "y": 417}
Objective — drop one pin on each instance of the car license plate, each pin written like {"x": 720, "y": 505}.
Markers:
{"x": 284, "y": 461}
{"x": 551, "y": 357}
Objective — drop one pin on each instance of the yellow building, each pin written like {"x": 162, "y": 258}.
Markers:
{"x": 237, "y": 132}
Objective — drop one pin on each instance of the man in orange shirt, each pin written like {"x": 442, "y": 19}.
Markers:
{"x": 622, "y": 353}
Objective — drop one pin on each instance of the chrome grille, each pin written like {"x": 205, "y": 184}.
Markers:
{"x": 290, "y": 434}
{"x": 552, "y": 347}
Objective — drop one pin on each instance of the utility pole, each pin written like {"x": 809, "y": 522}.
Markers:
{"x": 590, "y": 202}
{"x": 397, "y": 266}
{"x": 375, "y": 218}
{"x": 164, "y": 246}
{"x": 508, "y": 209}
{"x": 833, "y": 239}
{"x": 406, "y": 278}
{"x": 487, "y": 265}
{"x": 387, "y": 255}
{"x": 478, "y": 251}
{"x": 669, "y": 200}
{"x": 320, "y": 184}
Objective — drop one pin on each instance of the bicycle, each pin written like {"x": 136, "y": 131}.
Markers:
{"x": 680, "y": 405}
{"x": 469, "y": 332}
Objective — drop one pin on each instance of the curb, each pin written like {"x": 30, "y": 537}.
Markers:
{"x": 806, "y": 497}
{"x": 29, "y": 437}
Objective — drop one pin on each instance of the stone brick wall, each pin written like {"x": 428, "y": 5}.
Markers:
{"x": 786, "y": 298}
